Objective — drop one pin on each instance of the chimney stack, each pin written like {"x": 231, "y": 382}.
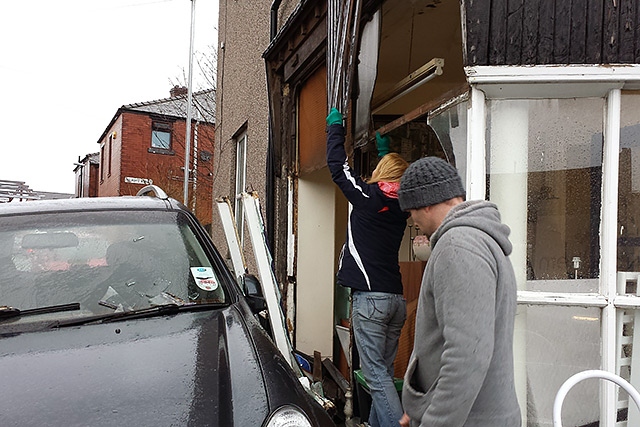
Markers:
{"x": 178, "y": 91}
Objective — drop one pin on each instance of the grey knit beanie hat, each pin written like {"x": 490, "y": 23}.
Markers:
{"x": 429, "y": 181}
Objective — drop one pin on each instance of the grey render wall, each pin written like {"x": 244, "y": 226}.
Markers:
{"x": 241, "y": 99}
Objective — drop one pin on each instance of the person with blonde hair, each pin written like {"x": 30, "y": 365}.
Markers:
{"x": 369, "y": 266}
{"x": 389, "y": 169}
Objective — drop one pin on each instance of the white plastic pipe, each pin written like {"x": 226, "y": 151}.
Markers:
{"x": 575, "y": 379}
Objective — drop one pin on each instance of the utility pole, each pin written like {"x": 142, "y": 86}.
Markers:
{"x": 187, "y": 142}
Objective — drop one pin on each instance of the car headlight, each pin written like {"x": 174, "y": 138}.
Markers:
{"x": 288, "y": 416}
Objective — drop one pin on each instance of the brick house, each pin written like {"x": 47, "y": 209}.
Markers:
{"x": 144, "y": 144}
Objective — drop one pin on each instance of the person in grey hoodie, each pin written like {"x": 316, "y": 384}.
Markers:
{"x": 461, "y": 371}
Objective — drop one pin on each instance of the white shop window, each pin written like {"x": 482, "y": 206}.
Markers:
{"x": 558, "y": 149}
{"x": 544, "y": 167}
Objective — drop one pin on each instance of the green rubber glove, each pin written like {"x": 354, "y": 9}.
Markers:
{"x": 334, "y": 117}
{"x": 382, "y": 144}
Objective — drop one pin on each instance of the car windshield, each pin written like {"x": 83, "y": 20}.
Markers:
{"x": 111, "y": 261}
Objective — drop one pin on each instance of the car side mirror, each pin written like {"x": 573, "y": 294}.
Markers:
{"x": 253, "y": 293}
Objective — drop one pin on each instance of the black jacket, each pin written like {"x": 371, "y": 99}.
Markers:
{"x": 369, "y": 257}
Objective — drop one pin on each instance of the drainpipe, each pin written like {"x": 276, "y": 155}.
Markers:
{"x": 274, "y": 18}
{"x": 269, "y": 205}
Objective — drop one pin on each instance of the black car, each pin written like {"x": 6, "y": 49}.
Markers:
{"x": 120, "y": 311}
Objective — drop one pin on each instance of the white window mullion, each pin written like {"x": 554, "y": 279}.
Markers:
{"x": 241, "y": 178}
{"x": 562, "y": 299}
{"x": 608, "y": 247}
{"x": 476, "y": 140}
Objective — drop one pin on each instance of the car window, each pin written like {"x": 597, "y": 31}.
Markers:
{"x": 106, "y": 261}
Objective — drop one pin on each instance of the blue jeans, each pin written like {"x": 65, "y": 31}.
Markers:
{"x": 377, "y": 319}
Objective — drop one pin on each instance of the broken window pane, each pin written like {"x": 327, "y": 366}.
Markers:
{"x": 450, "y": 125}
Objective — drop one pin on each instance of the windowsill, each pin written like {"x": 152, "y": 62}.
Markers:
{"x": 153, "y": 150}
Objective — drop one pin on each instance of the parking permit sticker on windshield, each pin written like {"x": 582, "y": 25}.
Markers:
{"x": 204, "y": 277}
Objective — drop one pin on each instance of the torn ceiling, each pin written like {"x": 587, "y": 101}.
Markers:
{"x": 414, "y": 33}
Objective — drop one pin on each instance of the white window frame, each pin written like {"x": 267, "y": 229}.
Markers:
{"x": 240, "y": 182}
{"x": 515, "y": 82}
{"x": 159, "y": 127}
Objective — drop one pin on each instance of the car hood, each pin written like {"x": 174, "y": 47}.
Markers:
{"x": 185, "y": 369}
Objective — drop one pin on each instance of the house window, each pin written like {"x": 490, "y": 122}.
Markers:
{"x": 161, "y": 136}
{"x": 102, "y": 163}
{"x": 110, "y": 155}
{"x": 241, "y": 177}
{"x": 80, "y": 180}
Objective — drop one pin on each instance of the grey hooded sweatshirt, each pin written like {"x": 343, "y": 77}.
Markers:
{"x": 461, "y": 370}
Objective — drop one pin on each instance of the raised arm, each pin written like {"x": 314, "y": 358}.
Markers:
{"x": 350, "y": 183}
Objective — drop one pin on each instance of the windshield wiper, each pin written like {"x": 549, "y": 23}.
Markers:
{"x": 118, "y": 315}
{"x": 157, "y": 310}
{"x": 7, "y": 312}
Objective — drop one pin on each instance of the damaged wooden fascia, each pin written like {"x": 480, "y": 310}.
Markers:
{"x": 294, "y": 35}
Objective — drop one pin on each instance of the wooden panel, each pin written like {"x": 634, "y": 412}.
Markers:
{"x": 411, "y": 281}
{"x": 594, "y": 31}
{"x": 610, "y": 37}
{"x": 578, "y": 40}
{"x": 477, "y": 25}
{"x": 514, "y": 32}
{"x": 498, "y": 34}
{"x": 530, "y": 38}
{"x": 546, "y": 30}
{"x": 539, "y": 32}
{"x": 636, "y": 49}
{"x": 628, "y": 33}
{"x": 562, "y": 32}
{"x": 405, "y": 342}
{"x": 312, "y": 112}
{"x": 411, "y": 278}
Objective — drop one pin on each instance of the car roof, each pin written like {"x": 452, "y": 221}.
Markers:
{"x": 134, "y": 203}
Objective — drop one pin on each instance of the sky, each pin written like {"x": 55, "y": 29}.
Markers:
{"x": 66, "y": 66}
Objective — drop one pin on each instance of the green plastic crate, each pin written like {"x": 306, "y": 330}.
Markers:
{"x": 360, "y": 379}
